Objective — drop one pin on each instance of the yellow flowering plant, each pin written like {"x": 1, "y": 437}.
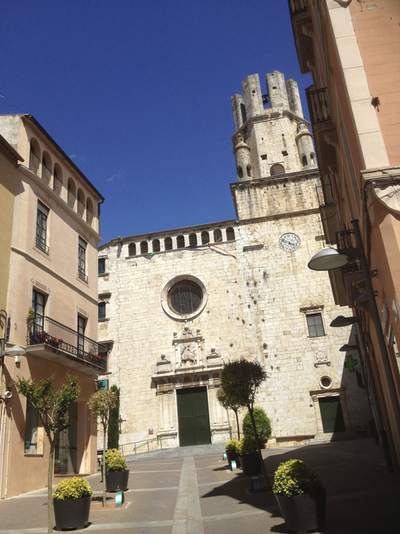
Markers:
{"x": 115, "y": 461}
{"x": 295, "y": 477}
{"x": 232, "y": 446}
{"x": 73, "y": 488}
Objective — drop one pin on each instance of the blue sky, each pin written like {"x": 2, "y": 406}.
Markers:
{"x": 137, "y": 93}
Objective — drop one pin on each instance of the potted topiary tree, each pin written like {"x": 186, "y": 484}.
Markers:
{"x": 71, "y": 502}
{"x": 232, "y": 452}
{"x": 263, "y": 426}
{"x": 249, "y": 457}
{"x": 301, "y": 496}
{"x": 117, "y": 474}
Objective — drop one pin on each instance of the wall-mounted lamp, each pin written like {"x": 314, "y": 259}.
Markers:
{"x": 16, "y": 351}
{"x": 347, "y": 348}
{"x": 332, "y": 258}
{"x": 341, "y": 321}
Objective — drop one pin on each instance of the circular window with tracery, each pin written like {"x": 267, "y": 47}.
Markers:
{"x": 184, "y": 297}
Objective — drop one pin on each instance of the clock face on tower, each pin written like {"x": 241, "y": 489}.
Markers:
{"x": 289, "y": 242}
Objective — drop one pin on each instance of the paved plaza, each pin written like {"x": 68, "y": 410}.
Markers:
{"x": 193, "y": 491}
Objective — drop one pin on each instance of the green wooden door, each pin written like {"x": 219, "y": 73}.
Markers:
{"x": 331, "y": 414}
{"x": 194, "y": 423}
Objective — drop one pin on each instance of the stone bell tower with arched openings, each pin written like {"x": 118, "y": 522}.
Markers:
{"x": 273, "y": 140}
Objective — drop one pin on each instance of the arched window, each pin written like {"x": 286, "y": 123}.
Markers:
{"x": 192, "y": 240}
{"x": 71, "y": 193}
{"x": 89, "y": 211}
{"x": 34, "y": 156}
{"x": 205, "y": 238}
{"x": 312, "y": 157}
{"x": 230, "y": 234}
{"x": 57, "y": 182}
{"x": 304, "y": 160}
{"x": 240, "y": 172}
{"x": 277, "y": 168}
{"x": 132, "y": 249}
{"x": 81, "y": 203}
{"x": 144, "y": 247}
{"x": 180, "y": 241}
{"x": 248, "y": 169}
{"x": 46, "y": 168}
{"x": 156, "y": 245}
{"x": 168, "y": 243}
{"x": 217, "y": 236}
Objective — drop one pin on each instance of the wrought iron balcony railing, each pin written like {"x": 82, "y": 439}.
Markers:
{"x": 41, "y": 243}
{"x": 296, "y": 6}
{"x": 82, "y": 274}
{"x": 318, "y": 105}
{"x": 47, "y": 331}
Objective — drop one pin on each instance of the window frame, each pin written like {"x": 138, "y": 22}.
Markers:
{"x": 42, "y": 215}
{"x": 102, "y": 315}
{"x": 313, "y": 329}
{"x": 82, "y": 246}
{"x": 101, "y": 270}
{"x": 31, "y": 428}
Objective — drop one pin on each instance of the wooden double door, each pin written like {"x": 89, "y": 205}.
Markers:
{"x": 193, "y": 416}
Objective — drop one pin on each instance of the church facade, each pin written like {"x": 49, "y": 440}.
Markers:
{"x": 175, "y": 305}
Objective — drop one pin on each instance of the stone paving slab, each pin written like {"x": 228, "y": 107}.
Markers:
{"x": 199, "y": 495}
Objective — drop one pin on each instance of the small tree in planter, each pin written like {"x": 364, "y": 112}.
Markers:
{"x": 263, "y": 426}
{"x": 224, "y": 402}
{"x": 249, "y": 458}
{"x": 100, "y": 404}
{"x": 117, "y": 474}
{"x": 240, "y": 381}
{"x": 72, "y": 503}
{"x": 301, "y": 496}
{"x": 53, "y": 412}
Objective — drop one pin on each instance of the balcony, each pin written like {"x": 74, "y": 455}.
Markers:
{"x": 325, "y": 134}
{"x": 318, "y": 105}
{"x": 55, "y": 342}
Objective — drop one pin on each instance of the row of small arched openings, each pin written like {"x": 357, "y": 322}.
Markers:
{"x": 52, "y": 175}
{"x": 155, "y": 245}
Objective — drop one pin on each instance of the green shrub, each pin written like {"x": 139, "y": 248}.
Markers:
{"x": 247, "y": 446}
{"x": 114, "y": 460}
{"x": 263, "y": 426}
{"x": 113, "y": 423}
{"x": 72, "y": 488}
{"x": 294, "y": 477}
{"x": 232, "y": 446}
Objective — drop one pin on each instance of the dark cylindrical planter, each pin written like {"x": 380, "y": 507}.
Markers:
{"x": 250, "y": 464}
{"x": 71, "y": 513}
{"x": 233, "y": 456}
{"x": 117, "y": 480}
{"x": 303, "y": 512}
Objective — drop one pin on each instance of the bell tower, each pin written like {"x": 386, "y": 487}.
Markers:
{"x": 270, "y": 140}
{"x": 277, "y": 174}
